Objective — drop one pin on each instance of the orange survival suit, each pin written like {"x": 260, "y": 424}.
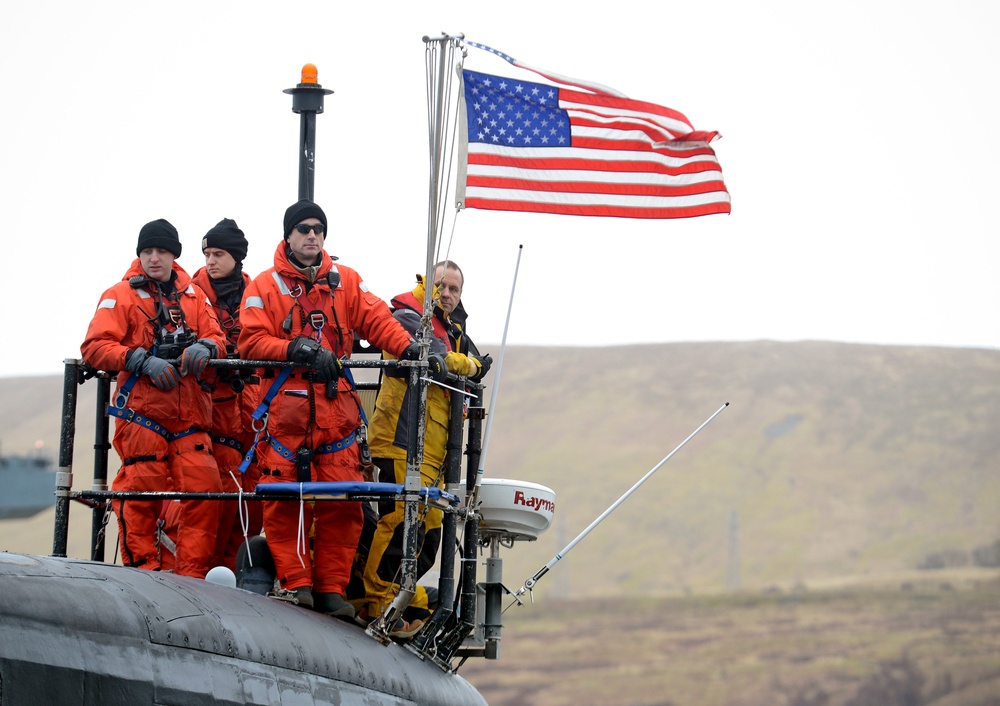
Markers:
{"x": 279, "y": 305}
{"x": 139, "y": 312}
{"x": 235, "y": 396}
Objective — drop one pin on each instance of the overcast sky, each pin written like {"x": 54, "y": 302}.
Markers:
{"x": 859, "y": 145}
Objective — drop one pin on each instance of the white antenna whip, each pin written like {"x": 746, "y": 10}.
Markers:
{"x": 530, "y": 583}
{"x": 496, "y": 386}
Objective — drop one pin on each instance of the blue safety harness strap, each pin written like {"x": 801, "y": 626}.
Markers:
{"x": 330, "y": 448}
{"x": 228, "y": 441}
{"x": 130, "y": 415}
{"x": 121, "y": 395}
{"x": 265, "y": 402}
{"x": 249, "y": 456}
{"x": 261, "y": 410}
{"x": 336, "y": 446}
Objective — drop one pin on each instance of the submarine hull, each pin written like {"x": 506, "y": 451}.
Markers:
{"x": 74, "y": 631}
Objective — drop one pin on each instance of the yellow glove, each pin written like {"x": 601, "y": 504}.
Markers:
{"x": 461, "y": 364}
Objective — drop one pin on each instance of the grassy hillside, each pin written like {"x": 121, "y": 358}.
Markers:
{"x": 832, "y": 460}
{"x": 915, "y": 641}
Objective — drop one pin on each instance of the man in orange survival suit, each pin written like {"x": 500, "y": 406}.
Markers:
{"x": 389, "y": 430}
{"x": 306, "y": 309}
{"x": 234, "y": 397}
{"x": 154, "y": 316}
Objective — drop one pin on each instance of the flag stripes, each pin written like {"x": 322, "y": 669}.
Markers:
{"x": 539, "y": 148}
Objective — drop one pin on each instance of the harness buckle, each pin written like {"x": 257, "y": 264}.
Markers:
{"x": 364, "y": 451}
{"x": 317, "y": 319}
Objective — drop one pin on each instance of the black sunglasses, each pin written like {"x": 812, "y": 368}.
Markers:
{"x": 305, "y": 228}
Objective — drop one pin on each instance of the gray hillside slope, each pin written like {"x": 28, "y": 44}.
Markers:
{"x": 832, "y": 460}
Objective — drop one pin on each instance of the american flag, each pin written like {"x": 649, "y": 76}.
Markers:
{"x": 548, "y": 149}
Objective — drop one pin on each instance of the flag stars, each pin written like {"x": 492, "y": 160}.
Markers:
{"x": 504, "y": 111}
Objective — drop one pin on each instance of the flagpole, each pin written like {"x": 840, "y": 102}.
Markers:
{"x": 439, "y": 53}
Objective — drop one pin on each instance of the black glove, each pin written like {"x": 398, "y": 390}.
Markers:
{"x": 162, "y": 373}
{"x": 306, "y": 351}
{"x": 436, "y": 368}
{"x": 326, "y": 365}
{"x": 485, "y": 361}
{"x": 302, "y": 350}
{"x": 412, "y": 352}
{"x": 196, "y": 356}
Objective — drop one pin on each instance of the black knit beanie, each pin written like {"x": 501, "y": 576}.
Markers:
{"x": 226, "y": 235}
{"x": 159, "y": 234}
{"x": 299, "y": 211}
